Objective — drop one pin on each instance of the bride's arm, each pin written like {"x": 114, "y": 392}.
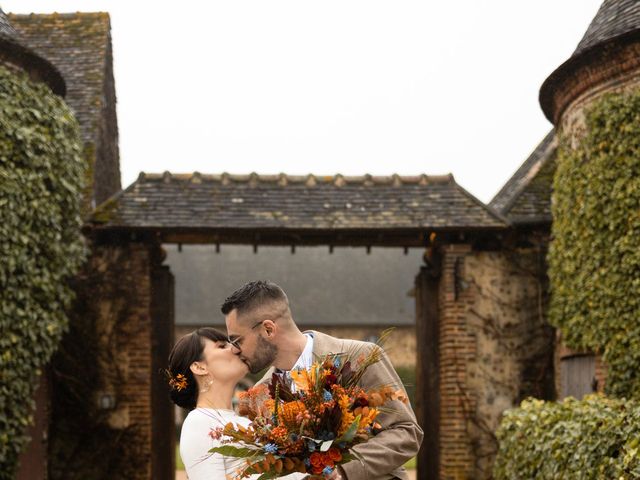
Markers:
{"x": 199, "y": 463}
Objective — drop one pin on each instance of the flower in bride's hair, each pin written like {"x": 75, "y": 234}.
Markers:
{"x": 177, "y": 382}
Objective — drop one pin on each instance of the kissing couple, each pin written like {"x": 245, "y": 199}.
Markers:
{"x": 206, "y": 365}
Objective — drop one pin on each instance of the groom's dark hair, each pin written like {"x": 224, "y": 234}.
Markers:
{"x": 253, "y": 295}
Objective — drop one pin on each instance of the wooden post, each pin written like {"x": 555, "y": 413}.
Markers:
{"x": 428, "y": 371}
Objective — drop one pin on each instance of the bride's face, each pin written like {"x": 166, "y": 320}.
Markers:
{"x": 221, "y": 363}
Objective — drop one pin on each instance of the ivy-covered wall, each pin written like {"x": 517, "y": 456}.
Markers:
{"x": 41, "y": 179}
{"x": 594, "y": 257}
{"x": 594, "y": 270}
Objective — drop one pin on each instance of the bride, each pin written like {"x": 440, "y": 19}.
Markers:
{"x": 203, "y": 376}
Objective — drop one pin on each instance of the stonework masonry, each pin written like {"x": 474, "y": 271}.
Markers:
{"x": 495, "y": 350}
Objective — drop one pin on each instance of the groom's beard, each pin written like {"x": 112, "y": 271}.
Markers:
{"x": 264, "y": 356}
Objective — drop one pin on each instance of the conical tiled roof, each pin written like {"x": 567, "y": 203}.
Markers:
{"x": 616, "y": 24}
{"x": 14, "y": 52}
{"x": 615, "y": 18}
{"x": 6, "y": 30}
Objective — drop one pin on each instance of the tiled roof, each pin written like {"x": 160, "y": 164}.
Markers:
{"x": 6, "y": 30}
{"x": 526, "y": 197}
{"x": 615, "y": 27}
{"x": 76, "y": 43}
{"x": 19, "y": 53}
{"x": 614, "y": 18}
{"x": 294, "y": 202}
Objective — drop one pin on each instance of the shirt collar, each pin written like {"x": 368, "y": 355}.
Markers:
{"x": 306, "y": 357}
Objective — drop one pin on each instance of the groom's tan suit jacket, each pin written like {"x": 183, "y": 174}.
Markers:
{"x": 383, "y": 456}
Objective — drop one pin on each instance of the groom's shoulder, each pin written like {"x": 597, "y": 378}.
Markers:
{"x": 332, "y": 344}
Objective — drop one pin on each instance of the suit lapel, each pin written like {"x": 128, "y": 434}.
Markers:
{"x": 324, "y": 344}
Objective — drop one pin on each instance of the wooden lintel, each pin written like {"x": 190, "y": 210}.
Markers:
{"x": 403, "y": 238}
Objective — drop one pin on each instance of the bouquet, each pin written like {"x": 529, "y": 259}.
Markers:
{"x": 308, "y": 423}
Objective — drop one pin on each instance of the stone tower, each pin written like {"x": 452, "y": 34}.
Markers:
{"x": 607, "y": 60}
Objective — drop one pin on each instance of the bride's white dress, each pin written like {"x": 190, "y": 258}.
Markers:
{"x": 195, "y": 443}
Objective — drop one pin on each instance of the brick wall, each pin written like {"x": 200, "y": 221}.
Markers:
{"x": 602, "y": 70}
{"x": 457, "y": 349}
{"x": 129, "y": 340}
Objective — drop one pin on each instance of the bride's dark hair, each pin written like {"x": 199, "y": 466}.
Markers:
{"x": 187, "y": 350}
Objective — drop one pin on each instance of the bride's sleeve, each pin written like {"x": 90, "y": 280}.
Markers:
{"x": 199, "y": 463}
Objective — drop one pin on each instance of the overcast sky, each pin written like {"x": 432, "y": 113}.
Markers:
{"x": 349, "y": 87}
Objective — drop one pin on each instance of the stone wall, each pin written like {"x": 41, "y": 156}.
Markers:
{"x": 495, "y": 350}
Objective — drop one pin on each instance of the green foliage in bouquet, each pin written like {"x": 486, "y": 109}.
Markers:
{"x": 594, "y": 438}
{"x": 594, "y": 257}
{"x": 41, "y": 180}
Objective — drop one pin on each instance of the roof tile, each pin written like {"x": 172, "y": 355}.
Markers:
{"x": 170, "y": 200}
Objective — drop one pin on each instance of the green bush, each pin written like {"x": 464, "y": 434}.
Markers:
{"x": 594, "y": 257}
{"x": 595, "y": 438}
{"x": 41, "y": 180}
{"x": 408, "y": 376}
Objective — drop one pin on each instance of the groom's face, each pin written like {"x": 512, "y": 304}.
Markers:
{"x": 247, "y": 340}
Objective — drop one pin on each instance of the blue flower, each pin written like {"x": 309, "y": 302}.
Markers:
{"x": 271, "y": 448}
{"x": 326, "y": 435}
{"x": 307, "y": 462}
{"x": 336, "y": 363}
{"x": 311, "y": 445}
{"x": 327, "y": 470}
{"x": 327, "y": 396}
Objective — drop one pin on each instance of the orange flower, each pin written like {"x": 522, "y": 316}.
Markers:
{"x": 290, "y": 411}
{"x": 179, "y": 382}
{"x": 304, "y": 379}
{"x": 279, "y": 435}
{"x": 334, "y": 454}
{"x": 316, "y": 459}
{"x": 319, "y": 461}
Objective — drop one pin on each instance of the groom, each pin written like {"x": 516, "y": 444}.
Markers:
{"x": 263, "y": 334}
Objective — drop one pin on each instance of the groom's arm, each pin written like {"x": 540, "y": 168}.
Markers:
{"x": 400, "y": 438}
